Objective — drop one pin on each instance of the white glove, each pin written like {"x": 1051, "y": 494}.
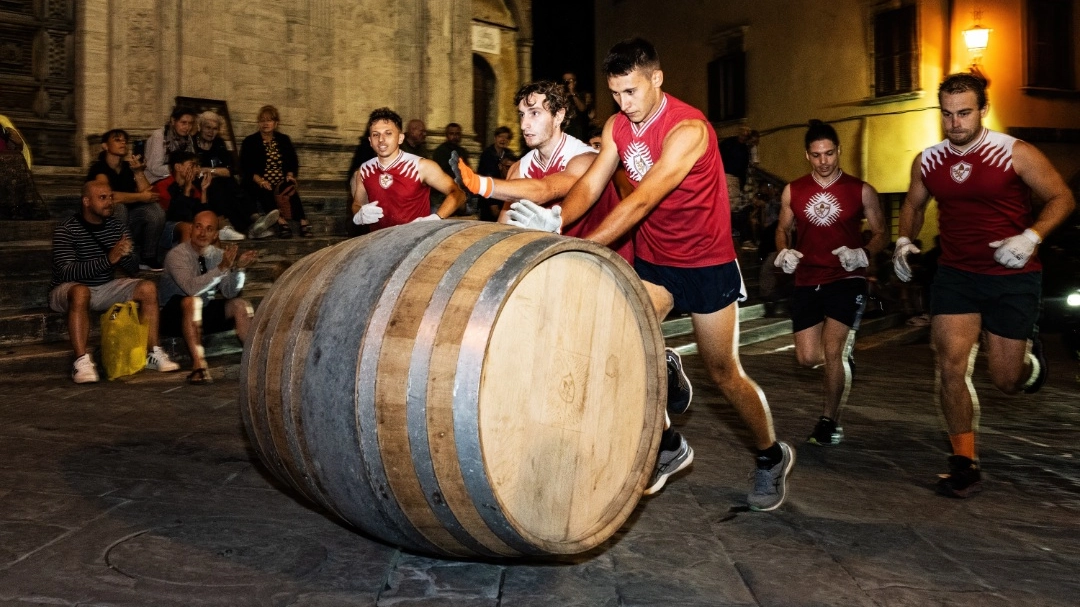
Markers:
{"x": 787, "y": 259}
{"x": 432, "y": 217}
{"x": 531, "y": 216}
{"x": 1015, "y": 251}
{"x": 852, "y": 259}
{"x": 899, "y": 258}
{"x": 368, "y": 213}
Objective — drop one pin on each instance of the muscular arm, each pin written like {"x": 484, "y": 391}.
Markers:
{"x": 875, "y": 220}
{"x": 433, "y": 176}
{"x": 913, "y": 211}
{"x": 786, "y": 220}
{"x": 683, "y": 146}
{"x": 360, "y": 197}
{"x": 551, "y": 187}
{"x": 588, "y": 189}
{"x": 1046, "y": 183}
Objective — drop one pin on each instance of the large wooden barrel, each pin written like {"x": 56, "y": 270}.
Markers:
{"x": 460, "y": 388}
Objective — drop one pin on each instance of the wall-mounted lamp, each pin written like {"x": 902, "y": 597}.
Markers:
{"x": 976, "y": 39}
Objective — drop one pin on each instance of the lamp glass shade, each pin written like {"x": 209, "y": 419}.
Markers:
{"x": 977, "y": 38}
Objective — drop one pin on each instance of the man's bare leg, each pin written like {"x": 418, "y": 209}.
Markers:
{"x": 955, "y": 338}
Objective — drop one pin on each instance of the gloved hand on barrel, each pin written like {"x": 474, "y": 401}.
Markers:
{"x": 531, "y": 216}
{"x": 368, "y": 213}
{"x": 468, "y": 180}
{"x": 432, "y": 217}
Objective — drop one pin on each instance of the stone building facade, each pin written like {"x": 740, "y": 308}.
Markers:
{"x": 71, "y": 70}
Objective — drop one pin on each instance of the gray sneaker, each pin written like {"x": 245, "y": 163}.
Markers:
{"x": 770, "y": 484}
{"x": 668, "y": 463}
{"x": 263, "y": 224}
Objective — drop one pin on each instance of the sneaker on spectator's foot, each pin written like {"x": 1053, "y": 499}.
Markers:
{"x": 84, "y": 371}
{"x": 770, "y": 484}
{"x": 158, "y": 360}
{"x": 150, "y": 265}
{"x": 679, "y": 390}
{"x": 1038, "y": 364}
{"x": 962, "y": 480}
{"x": 264, "y": 223}
{"x": 227, "y": 233}
{"x": 827, "y": 433}
{"x": 668, "y": 463}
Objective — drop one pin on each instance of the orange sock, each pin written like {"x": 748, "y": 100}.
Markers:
{"x": 963, "y": 444}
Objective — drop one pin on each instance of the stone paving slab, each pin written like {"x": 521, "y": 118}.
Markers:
{"x": 145, "y": 492}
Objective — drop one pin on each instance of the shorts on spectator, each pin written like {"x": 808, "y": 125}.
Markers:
{"x": 841, "y": 300}
{"x": 1009, "y": 304}
{"x": 696, "y": 290}
{"x": 213, "y": 317}
{"x": 101, "y": 296}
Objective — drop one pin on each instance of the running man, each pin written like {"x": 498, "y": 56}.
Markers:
{"x": 989, "y": 275}
{"x": 829, "y": 261}
{"x": 682, "y": 246}
{"x": 395, "y": 186}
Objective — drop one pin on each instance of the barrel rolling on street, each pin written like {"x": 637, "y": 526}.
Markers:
{"x": 460, "y": 388}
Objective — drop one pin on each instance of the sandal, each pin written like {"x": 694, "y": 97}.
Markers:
{"x": 305, "y": 230}
{"x": 284, "y": 231}
{"x": 200, "y": 377}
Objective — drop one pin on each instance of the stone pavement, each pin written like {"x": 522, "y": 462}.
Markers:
{"x": 144, "y": 493}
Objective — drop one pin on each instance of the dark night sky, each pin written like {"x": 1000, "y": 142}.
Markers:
{"x": 563, "y": 40}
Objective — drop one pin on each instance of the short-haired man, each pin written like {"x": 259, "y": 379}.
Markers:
{"x": 829, "y": 260}
{"x": 86, "y": 250}
{"x": 553, "y": 165}
{"x": 395, "y": 186}
{"x": 683, "y": 249}
{"x": 135, "y": 200}
{"x": 441, "y": 157}
{"x": 989, "y": 276}
{"x": 195, "y": 271}
{"x": 416, "y": 139}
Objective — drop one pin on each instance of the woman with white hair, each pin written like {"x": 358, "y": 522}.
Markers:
{"x": 216, "y": 159}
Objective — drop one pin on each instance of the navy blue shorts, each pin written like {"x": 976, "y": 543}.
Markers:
{"x": 696, "y": 290}
{"x": 841, "y": 300}
{"x": 1009, "y": 304}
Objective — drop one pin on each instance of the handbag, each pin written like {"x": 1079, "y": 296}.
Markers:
{"x": 123, "y": 340}
{"x": 283, "y": 194}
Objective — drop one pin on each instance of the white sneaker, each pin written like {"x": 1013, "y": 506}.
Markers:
{"x": 228, "y": 233}
{"x": 158, "y": 360}
{"x": 84, "y": 371}
{"x": 264, "y": 223}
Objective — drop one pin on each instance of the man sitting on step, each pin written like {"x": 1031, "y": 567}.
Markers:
{"x": 87, "y": 249}
{"x": 195, "y": 271}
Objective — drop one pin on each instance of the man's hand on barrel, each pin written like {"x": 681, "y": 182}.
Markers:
{"x": 531, "y": 216}
{"x": 468, "y": 180}
{"x": 368, "y": 213}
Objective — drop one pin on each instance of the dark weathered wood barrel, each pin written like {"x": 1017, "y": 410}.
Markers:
{"x": 460, "y": 388}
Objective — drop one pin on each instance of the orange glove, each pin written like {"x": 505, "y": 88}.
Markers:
{"x": 466, "y": 178}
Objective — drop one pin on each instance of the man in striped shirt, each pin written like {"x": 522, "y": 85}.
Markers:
{"x": 87, "y": 248}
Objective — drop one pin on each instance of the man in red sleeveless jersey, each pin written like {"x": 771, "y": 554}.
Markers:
{"x": 989, "y": 275}
{"x": 829, "y": 262}
{"x": 394, "y": 187}
{"x": 682, "y": 244}
{"x": 553, "y": 165}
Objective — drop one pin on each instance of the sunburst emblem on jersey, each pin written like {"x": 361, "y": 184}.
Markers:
{"x": 637, "y": 160}
{"x": 960, "y": 172}
{"x": 386, "y": 180}
{"x": 823, "y": 209}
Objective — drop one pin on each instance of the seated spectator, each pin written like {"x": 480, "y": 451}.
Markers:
{"x": 224, "y": 193}
{"x": 497, "y": 158}
{"x": 183, "y": 194}
{"x": 135, "y": 200}
{"x": 195, "y": 272}
{"x": 269, "y": 164}
{"x": 441, "y": 156}
{"x": 596, "y": 137}
{"x": 87, "y": 249}
{"x": 175, "y": 136}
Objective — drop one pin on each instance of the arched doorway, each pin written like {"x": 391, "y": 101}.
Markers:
{"x": 484, "y": 111}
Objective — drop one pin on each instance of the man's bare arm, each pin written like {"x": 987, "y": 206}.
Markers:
{"x": 432, "y": 175}
{"x": 875, "y": 220}
{"x": 786, "y": 220}
{"x": 588, "y": 189}
{"x": 913, "y": 210}
{"x": 540, "y": 191}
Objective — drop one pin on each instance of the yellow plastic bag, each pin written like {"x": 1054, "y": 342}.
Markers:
{"x": 123, "y": 340}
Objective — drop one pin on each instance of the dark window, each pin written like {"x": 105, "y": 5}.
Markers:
{"x": 727, "y": 87}
{"x": 1049, "y": 44}
{"x": 896, "y": 52}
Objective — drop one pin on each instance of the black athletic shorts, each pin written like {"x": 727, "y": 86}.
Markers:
{"x": 696, "y": 290}
{"x": 841, "y": 300}
{"x": 213, "y": 317}
{"x": 1009, "y": 304}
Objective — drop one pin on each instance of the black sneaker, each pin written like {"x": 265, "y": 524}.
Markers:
{"x": 827, "y": 433}
{"x": 679, "y": 390}
{"x": 963, "y": 479}
{"x": 1039, "y": 359}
